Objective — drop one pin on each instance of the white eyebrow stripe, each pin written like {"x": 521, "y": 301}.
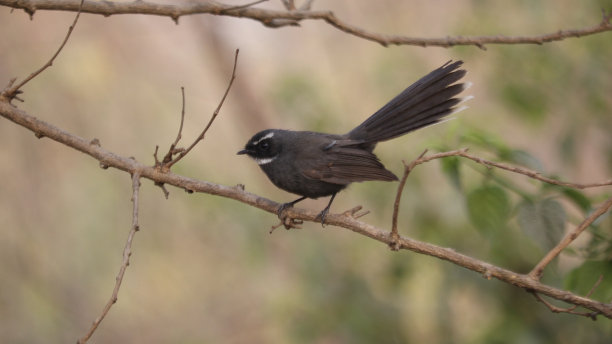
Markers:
{"x": 267, "y": 136}
{"x": 263, "y": 161}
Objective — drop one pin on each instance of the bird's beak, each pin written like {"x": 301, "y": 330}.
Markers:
{"x": 244, "y": 151}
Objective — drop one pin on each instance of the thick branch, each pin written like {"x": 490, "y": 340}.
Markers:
{"x": 275, "y": 18}
{"x": 346, "y": 220}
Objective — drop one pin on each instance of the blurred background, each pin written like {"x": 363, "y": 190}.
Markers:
{"x": 205, "y": 270}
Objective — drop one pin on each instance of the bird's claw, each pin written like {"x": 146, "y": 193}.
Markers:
{"x": 282, "y": 208}
{"x": 322, "y": 215}
{"x": 285, "y": 220}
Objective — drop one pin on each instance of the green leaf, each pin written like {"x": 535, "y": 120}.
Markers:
{"x": 488, "y": 208}
{"x": 578, "y": 198}
{"x": 582, "y": 279}
{"x": 450, "y": 167}
{"x": 542, "y": 221}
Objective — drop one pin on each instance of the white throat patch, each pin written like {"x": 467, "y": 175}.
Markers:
{"x": 263, "y": 161}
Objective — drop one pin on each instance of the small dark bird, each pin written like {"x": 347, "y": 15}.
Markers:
{"x": 315, "y": 165}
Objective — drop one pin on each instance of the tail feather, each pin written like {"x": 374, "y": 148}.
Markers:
{"x": 421, "y": 113}
{"x": 425, "y": 102}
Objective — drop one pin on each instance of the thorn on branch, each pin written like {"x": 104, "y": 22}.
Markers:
{"x": 30, "y": 12}
{"x": 157, "y": 163}
{"x": 240, "y": 7}
{"x": 394, "y": 241}
{"x": 487, "y": 274}
{"x": 354, "y": 212}
{"x": 162, "y": 186}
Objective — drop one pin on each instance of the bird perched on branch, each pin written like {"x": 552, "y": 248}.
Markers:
{"x": 314, "y": 165}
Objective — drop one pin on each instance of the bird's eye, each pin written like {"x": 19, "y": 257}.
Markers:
{"x": 265, "y": 145}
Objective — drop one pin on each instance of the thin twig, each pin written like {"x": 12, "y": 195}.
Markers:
{"x": 172, "y": 150}
{"x": 127, "y": 252}
{"x": 276, "y": 18}
{"x": 571, "y": 310}
{"x": 398, "y": 196}
{"x": 520, "y": 170}
{"x": 250, "y": 4}
{"x": 289, "y": 4}
{"x": 212, "y": 119}
{"x": 537, "y": 271}
{"x": 12, "y": 92}
{"x": 180, "y": 131}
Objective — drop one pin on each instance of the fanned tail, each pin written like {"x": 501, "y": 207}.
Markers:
{"x": 423, "y": 103}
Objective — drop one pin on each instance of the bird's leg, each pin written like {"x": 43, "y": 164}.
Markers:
{"x": 324, "y": 212}
{"x": 284, "y": 206}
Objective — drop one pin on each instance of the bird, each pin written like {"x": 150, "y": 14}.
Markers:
{"x": 312, "y": 164}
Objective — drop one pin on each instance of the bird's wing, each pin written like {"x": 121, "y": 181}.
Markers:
{"x": 343, "y": 164}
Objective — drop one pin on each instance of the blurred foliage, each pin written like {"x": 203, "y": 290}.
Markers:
{"x": 584, "y": 278}
{"x": 488, "y": 207}
{"x": 543, "y": 221}
{"x": 204, "y": 269}
{"x": 298, "y": 97}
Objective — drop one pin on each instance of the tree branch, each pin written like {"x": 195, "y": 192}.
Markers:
{"x": 571, "y": 310}
{"x": 398, "y": 197}
{"x": 276, "y": 18}
{"x": 184, "y": 152}
{"x": 127, "y": 252}
{"x": 515, "y": 169}
{"x": 11, "y": 91}
{"x": 537, "y": 271}
{"x": 346, "y": 220}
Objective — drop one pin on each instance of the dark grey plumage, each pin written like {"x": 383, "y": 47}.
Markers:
{"x": 314, "y": 164}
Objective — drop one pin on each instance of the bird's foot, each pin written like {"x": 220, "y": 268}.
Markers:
{"x": 288, "y": 223}
{"x": 322, "y": 215}
{"x": 282, "y": 208}
{"x": 285, "y": 220}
